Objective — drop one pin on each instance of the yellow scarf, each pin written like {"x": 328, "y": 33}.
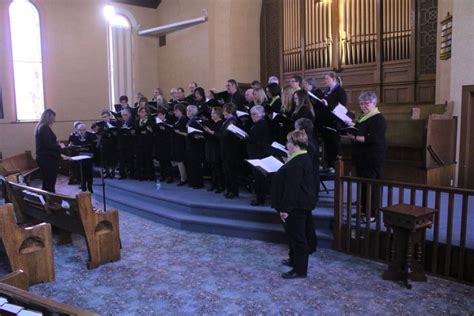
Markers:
{"x": 365, "y": 117}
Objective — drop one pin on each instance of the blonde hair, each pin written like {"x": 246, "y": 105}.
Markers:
{"x": 47, "y": 118}
{"x": 260, "y": 96}
{"x": 298, "y": 138}
{"x": 287, "y": 99}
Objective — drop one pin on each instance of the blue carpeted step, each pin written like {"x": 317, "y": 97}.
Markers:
{"x": 250, "y": 229}
{"x": 204, "y": 203}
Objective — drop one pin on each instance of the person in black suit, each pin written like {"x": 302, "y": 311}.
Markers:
{"x": 194, "y": 149}
{"x": 213, "y": 150}
{"x": 293, "y": 196}
{"x": 144, "y": 129}
{"x": 310, "y": 84}
{"x": 125, "y": 141}
{"x": 303, "y": 107}
{"x": 163, "y": 141}
{"x": 259, "y": 147}
{"x": 249, "y": 99}
{"x": 273, "y": 93}
{"x": 332, "y": 97}
{"x": 124, "y": 105}
{"x": 84, "y": 143}
{"x": 368, "y": 148}
{"x": 191, "y": 97}
{"x": 199, "y": 100}
{"x": 73, "y": 167}
{"x": 234, "y": 96}
{"x": 178, "y": 148}
{"x": 230, "y": 151}
{"x": 47, "y": 150}
{"x": 303, "y": 124}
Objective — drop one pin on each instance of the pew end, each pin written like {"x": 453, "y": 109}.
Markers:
{"x": 18, "y": 279}
{"x": 28, "y": 249}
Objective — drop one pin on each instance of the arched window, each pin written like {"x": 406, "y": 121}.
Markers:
{"x": 27, "y": 60}
{"x": 120, "y": 56}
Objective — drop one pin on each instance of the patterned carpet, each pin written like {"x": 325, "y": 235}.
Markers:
{"x": 165, "y": 271}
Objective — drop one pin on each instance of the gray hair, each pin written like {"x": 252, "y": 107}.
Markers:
{"x": 368, "y": 96}
{"x": 311, "y": 81}
{"x": 81, "y": 126}
{"x": 126, "y": 111}
{"x": 273, "y": 79}
{"x": 258, "y": 109}
{"x": 76, "y": 124}
{"x": 193, "y": 109}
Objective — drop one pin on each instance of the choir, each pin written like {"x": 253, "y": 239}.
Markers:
{"x": 213, "y": 135}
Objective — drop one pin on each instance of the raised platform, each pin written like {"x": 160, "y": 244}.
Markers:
{"x": 208, "y": 212}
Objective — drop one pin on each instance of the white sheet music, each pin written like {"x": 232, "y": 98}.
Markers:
{"x": 194, "y": 130}
{"x": 158, "y": 120}
{"x": 238, "y": 131}
{"x": 274, "y": 114}
{"x": 241, "y": 113}
{"x": 314, "y": 97}
{"x": 341, "y": 112}
{"x": 269, "y": 164}
{"x": 280, "y": 147}
{"x": 80, "y": 157}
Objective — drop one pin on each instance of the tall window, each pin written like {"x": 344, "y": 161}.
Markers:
{"x": 27, "y": 60}
{"x": 120, "y": 57}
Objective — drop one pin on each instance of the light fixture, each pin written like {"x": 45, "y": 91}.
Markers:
{"x": 109, "y": 12}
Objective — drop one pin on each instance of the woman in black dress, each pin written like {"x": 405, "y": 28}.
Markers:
{"x": 47, "y": 150}
{"x": 332, "y": 97}
{"x": 144, "y": 130}
{"x": 213, "y": 150}
{"x": 303, "y": 107}
{"x": 178, "y": 149}
{"x": 368, "y": 148}
{"x": 293, "y": 196}
{"x": 163, "y": 137}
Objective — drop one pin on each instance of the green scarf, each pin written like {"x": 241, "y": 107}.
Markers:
{"x": 365, "y": 117}
{"x": 295, "y": 154}
{"x": 274, "y": 99}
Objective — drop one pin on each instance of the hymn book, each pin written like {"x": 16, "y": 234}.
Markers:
{"x": 241, "y": 113}
{"x": 266, "y": 165}
{"x": 237, "y": 131}
{"x": 280, "y": 147}
{"x": 340, "y": 111}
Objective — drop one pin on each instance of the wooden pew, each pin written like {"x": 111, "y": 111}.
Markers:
{"x": 35, "y": 303}
{"x": 18, "y": 279}
{"x": 71, "y": 215}
{"x": 21, "y": 164}
{"x": 28, "y": 249}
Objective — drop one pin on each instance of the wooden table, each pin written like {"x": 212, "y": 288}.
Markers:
{"x": 408, "y": 223}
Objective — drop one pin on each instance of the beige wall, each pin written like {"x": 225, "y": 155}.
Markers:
{"x": 74, "y": 34}
{"x": 226, "y": 46}
{"x": 456, "y": 72}
{"x": 74, "y": 38}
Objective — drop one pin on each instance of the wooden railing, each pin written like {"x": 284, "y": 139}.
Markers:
{"x": 449, "y": 244}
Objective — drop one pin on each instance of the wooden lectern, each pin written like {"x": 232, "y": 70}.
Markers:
{"x": 408, "y": 223}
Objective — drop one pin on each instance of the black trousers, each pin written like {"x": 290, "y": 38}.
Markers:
{"x": 217, "y": 175}
{"x": 194, "y": 172}
{"x": 332, "y": 146}
{"x": 296, "y": 227}
{"x": 144, "y": 163}
{"x": 260, "y": 185}
{"x": 49, "y": 173}
{"x": 126, "y": 166}
{"x": 86, "y": 181}
{"x": 231, "y": 170}
{"x": 166, "y": 170}
{"x": 374, "y": 171}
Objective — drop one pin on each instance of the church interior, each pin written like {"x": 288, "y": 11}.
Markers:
{"x": 164, "y": 157}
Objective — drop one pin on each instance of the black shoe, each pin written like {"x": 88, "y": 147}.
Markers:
{"x": 210, "y": 189}
{"x": 292, "y": 275}
{"x": 122, "y": 177}
{"x": 257, "y": 203}
{"x": 287, "y": 262}
{"x": 181, "y": 183}
{"x": 219, "y": 191}
{"x": 169, "y": 180}
{"x": 162, "y": 179}
{"x": 198, "y": 187}
{"x": 231, "y": 196}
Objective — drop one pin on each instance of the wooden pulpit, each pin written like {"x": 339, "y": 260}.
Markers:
{"x": 408, "y": 223}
